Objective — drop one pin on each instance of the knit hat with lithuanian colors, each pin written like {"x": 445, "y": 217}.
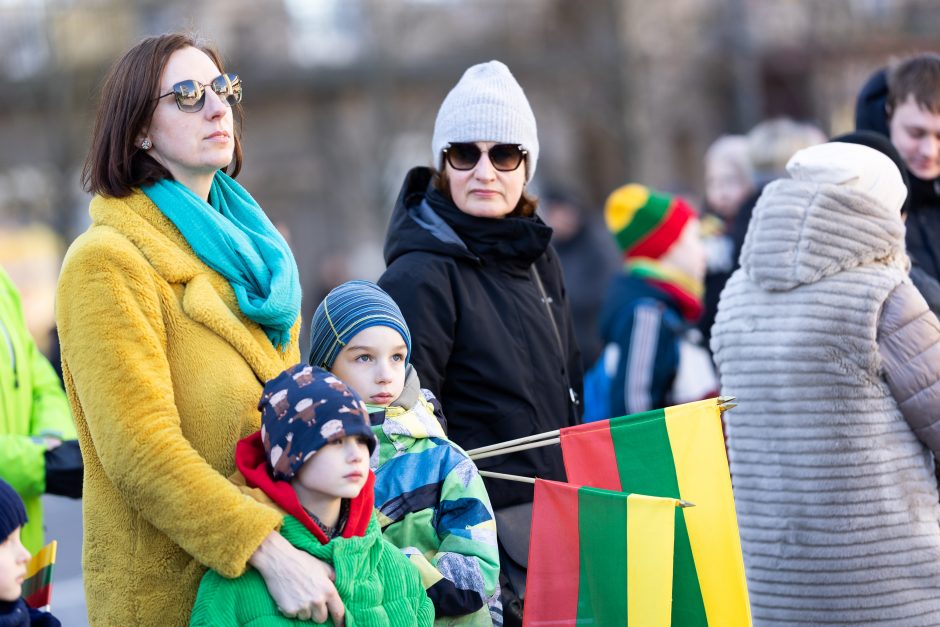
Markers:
{"x": 645, "y": 222}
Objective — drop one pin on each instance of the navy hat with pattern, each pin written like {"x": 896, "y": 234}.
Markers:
{"x": 347, "y": 310}
{"x": 12, "y": 512}
{"x": 304, "y": 408}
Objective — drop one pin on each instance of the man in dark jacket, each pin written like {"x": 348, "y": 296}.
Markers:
{"x": 903, "y": 102}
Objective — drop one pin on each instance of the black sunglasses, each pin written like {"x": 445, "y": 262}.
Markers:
{"x": 504, "y": 157}
{"x": 191, "y": 94}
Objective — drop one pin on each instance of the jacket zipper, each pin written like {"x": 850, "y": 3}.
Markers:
{"x": 9, "y": 339}
{"x": 547, "y": 301}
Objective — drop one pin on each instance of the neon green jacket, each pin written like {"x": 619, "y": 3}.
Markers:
{"x": 32, "y": 404}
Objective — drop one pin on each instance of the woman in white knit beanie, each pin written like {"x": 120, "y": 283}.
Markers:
{"x": 470, "y": 266}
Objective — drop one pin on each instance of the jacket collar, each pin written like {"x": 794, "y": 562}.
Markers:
{"x": 207, "y": 297}
{"x": 508, "y": 241}
{"x": 408, "y": 418}
{"x": 424, "y": 220}
{"x": 252, "y": 463}
{"x": 14, "y": 613}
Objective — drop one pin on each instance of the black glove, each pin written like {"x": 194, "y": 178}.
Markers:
{"x": 64, "y": 470}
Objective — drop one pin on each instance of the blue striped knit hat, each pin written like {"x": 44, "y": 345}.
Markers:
{"x": 347, "y": 310}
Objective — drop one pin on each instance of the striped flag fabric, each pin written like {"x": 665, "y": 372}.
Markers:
{"x": 37, "y": 587}
{"x": 598, "y": 557}
{"x": 679, "y": 453}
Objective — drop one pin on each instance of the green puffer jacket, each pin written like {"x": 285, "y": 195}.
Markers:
{"x": 32, "y": 404}
{"x": 375, "y": 581}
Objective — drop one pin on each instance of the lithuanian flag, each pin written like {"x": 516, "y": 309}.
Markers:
{"x": 679, "y": 453}
{"x": 37, "y": 587}
{"x": 598, "y": 557}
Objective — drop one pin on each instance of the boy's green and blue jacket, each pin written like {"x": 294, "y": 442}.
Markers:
{"x": 432, "y": 504}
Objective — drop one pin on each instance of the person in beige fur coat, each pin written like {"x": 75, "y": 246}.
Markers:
{"x": 834, "y": 358}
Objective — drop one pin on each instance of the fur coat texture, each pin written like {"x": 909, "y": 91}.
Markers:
{"x": 163, "y": 373}
{"x": 833, "y": 357}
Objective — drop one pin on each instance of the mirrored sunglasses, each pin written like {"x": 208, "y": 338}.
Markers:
{"x": 504, "y": 157}
{"x": 191, "y": 94}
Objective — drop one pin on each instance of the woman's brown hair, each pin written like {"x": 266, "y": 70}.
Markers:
{"x": 525, "y": 208}
{"x": 115, "y": 164}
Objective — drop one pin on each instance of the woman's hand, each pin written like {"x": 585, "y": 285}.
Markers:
{"x": 300, "y": 584}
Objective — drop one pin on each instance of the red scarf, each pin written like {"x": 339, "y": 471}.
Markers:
{"x": 252, "y": 462}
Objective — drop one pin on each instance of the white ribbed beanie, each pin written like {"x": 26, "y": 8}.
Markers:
{"x": 486, "y": 105}
{"x": 851, "y": 165}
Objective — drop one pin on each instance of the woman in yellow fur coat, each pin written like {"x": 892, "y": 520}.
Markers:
{"x": 174, "y": 308}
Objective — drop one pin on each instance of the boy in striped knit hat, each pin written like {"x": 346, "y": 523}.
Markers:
{"x": 653, "y": 356}
{"x": 430, "y": 498}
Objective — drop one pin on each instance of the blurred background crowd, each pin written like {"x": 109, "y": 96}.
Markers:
{"x": 339, "y": 94}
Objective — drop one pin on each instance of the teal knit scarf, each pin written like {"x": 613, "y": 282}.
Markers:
{"x": 231, "y": 235}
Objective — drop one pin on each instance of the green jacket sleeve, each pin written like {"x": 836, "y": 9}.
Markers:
{"x": 36, "y": 402}
{"x": 51, "y": 414}
{"x": 23, "y": 464}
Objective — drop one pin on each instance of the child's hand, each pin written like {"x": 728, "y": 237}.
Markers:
{"x": 300, "y": 584}
{"x": 50, "y": 442}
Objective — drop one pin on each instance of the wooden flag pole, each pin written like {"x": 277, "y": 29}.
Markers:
{"x": 500, "y": 475}
{"x": 725, "y": 403}
{"x": 517, "y": 441}
{"x": 514, "y": 449}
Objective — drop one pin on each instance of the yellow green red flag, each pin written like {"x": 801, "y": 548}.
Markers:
{"x": 679, "y": 453}
{"x": 599, "y": 557}
{"x": 37, "y": 587}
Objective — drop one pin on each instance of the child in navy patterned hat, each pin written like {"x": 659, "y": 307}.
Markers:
{"x": 430, "y": 497}
{"x": 305, "y": 409}
{"x": 311, "y": 458}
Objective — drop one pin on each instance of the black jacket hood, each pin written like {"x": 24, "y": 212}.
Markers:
{"x": 415, "y": 227}
{"x": 425, "y": 220}
{"x": 870, "y": 114}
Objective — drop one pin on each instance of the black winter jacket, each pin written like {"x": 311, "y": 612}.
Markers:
{"x": 501, "y": 358}
{"x": 923, "y": 201}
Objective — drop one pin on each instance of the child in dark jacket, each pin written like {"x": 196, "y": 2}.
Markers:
{"x": 13, "y": 560}
{"x": 311, "y": 460}
{"x": 430, "y": 497}
{"x": 653, "y": 355}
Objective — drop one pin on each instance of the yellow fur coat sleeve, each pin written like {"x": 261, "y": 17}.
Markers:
{"x": 164, "y": 375}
